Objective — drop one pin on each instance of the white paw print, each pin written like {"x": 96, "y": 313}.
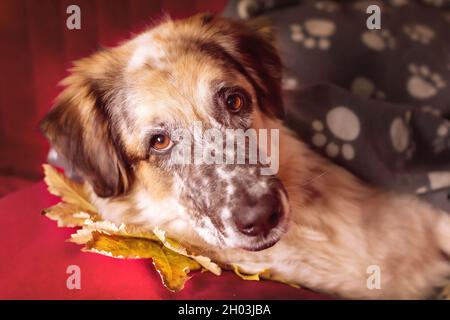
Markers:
{"x": 344, "y": 126}
{"x": 423, "y": 84}
{"x": 419, "y": 33}
{"x": 327, "y": 6}
{"x": 442, "y": 140}
{"x": 401, "y": 136}
{"x": 315, "y": 33}
{"x": 378, "y": 40}
{"x": 246, "y": 8}
{"x": 364, "y": 87}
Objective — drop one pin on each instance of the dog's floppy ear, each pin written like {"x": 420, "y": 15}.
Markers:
{"x": 79, "y": 128}
{"x": 254, "y": 48}
{"x": 261, "y": 56}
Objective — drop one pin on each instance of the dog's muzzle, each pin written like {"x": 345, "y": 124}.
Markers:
{"x": 262, "y": 219}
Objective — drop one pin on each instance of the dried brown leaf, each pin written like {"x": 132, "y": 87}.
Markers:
{"x": 70, "y": 192}
{"x": 67, "y": 215}
{"x": 173, "y": 267}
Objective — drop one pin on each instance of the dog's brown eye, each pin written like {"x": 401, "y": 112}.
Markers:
{"x": 235, "y": 102}
{"x": 161, "y": 142}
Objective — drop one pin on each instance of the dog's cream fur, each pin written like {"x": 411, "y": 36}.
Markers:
{"x": 338, "y": 226}
{"x": 333, "y": 238}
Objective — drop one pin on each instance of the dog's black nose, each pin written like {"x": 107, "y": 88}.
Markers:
{"x": 260, "y": 217}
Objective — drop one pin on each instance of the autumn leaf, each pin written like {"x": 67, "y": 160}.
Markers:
{"x": 263, "y": 274}
{"x": 67, "y": 215}
{"x": 253, "y": 277}
{"x": 70, "y": 192}
{"x": 176, "y": 247}
{"x": 268, "y": 275}
{"x": 173, "y": 267}
{"x": 84, "y": 235}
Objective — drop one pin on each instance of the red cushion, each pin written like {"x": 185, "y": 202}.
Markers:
{"x": 12, "y": 183}
{"x": 34, "y": 258}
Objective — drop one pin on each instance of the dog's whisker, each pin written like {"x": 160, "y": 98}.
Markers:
{"x": 315, "y": 178}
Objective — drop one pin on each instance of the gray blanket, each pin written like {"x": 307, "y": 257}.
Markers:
{"x": 374, "y": 101}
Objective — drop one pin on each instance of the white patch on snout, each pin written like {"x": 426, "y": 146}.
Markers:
{"x": 230, "y": 189}
{"x": 208, "y": 232}
{"x": 225, "y": 175}
{"x": 226, "y": 214}
{"x": 259, "y": 189}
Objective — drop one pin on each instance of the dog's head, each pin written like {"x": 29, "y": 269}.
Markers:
{"x": 117, "y": 120}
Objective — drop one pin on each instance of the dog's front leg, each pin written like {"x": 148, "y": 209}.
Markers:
{"x": 387, "y": 246}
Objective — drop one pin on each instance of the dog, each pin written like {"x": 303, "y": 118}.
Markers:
{"x": 312, "y": 223}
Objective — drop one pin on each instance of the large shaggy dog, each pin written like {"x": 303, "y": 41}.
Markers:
{"x": 311, "y": 223}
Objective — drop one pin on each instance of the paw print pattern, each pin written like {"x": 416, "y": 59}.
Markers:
{"x": 422, "y": 83}
{"x": 378, "y": 40}
{"x": 442, "y": 141}
{"x": 401, "y": 136}
{"x": 315, "y": 33}
{"x": 419, "y": 33}
{"x": 344, "y": 126}
{"x": 364, "y": 87}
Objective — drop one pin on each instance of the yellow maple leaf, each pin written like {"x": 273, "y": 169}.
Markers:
{"x": 67, "y": 215}
{"x": 263, "y": 274}
{"x": 244, "y": 276}
{"x": 70, "y": 192}
{"x": 173, "y": 267}
{"x": 177, "y": 247}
